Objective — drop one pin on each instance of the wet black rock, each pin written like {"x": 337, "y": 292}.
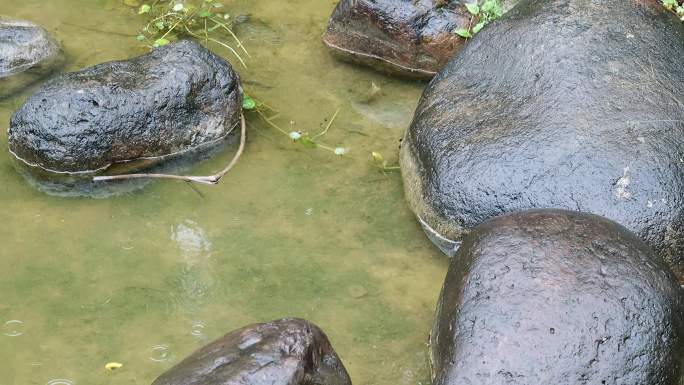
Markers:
{"x": 412, "y": 38}
{"x": 177, "y": 99}
{"x": 559, "y": 104}
{"x": 557, "y": 297}
{"x": 283, "y": 352}
{"x": 28, "y": 53}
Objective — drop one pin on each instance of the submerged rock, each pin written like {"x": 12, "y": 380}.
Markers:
{"x": 559, "y": 104}
{"x": 408, "y": 37}
{"x": 557, "y": 297}
{"x": 27, "y": 54}
{"x": 175, "y": 100}
{"x": 283, "y": 352}
{"x": 23, "y": 45}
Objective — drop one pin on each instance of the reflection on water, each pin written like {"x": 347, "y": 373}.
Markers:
{"x": 192, "y": 241}
{"x": 148, "y": 277}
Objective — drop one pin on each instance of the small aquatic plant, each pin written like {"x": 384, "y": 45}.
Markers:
{"x": 305, "y": 138}
{"x": 204, "y": 20}
{"x": 297, "y": 136}
{"x": 484, "y": 12}
{"x": 675, "y": 6}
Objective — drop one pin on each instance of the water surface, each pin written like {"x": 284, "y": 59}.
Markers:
{"x": 146, "y": 278}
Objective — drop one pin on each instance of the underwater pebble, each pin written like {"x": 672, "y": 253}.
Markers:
{"x": 357, "y": 291}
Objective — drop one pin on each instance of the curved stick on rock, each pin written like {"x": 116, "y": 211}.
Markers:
{"x": 210, "y": 179}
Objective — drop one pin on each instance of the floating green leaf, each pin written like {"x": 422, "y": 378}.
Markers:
{"x": 473, "y": 8}
{"x": 248, "y": 103}
{"x": 145, "y": 8}
{"x": 670, "y": 4}
{"x": 161, "y": 42}
{"x": 463, "y": 33}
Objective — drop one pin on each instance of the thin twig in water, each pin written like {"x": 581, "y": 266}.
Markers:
{"x": 210, "y": 179}
{"x": 234, "y": 36}
{"x": 328, "y": 126}
{"x": 193, "y": 188}
{"x": 92, "y": 29}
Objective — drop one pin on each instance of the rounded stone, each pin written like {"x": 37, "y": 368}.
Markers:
{"x": 28, "y": 54}
{"x": 283, "y": 352}
{"x": 171, "y": 101}
{"x": 406, "y": 37}
{"x": 24, "y": 45}
{"x": 559, "y": 104}
{"x": 557, "y": 297}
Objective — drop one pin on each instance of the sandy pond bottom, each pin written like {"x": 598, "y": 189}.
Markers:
{"x": 146, "y": 278}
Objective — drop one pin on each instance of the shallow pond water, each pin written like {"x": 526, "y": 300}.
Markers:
{"x": 147, "y": 277}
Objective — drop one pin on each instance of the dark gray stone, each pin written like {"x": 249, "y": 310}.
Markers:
{"x": 28, "y": 53}
{"x": 573, "y": 104}
{"x": 283, "y": 352}
{"x": 557, "y": 297}
{"x": 23, "y": 45}
{"x": 174, "y": 100}
{"x": 412, "y": 38}
{"x": 407, "y": 37}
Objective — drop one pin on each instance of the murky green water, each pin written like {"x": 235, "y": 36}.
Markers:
{"x": 146, "y": 278}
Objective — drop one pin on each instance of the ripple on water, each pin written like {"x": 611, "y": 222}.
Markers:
{"x": 159, "y": 353}
{"x": 60, "y": 381}
{"x": 13, "y": 328}
{"x": 197, "y": 329}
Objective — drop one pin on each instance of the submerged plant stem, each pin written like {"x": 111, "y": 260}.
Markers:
{"x": 210, "y": 179}
{"x": 328, "y": 126}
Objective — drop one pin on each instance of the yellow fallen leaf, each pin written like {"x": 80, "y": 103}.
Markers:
{"x": 113, "y": 366}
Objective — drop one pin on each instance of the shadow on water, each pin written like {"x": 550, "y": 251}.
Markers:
{"x": 82, "y": 184}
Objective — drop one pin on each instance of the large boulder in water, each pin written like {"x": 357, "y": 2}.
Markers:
{"x": 557, "y": 297}
{"x": 283, "y": 352}
{"x": 176, "y": 99}
{"x": 408, "y": 37}
{"x": 27, "y": 54}
{"x": 569, "y": 104}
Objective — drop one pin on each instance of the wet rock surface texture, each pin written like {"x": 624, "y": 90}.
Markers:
{"x": 177, "y": 98}
{"x": 557, "y": 297}
{"x": 27, "y": 54}
{"x": 412, "y": 38}
{"x": 283, "y": 352}
{"x": 559, "y": 104}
